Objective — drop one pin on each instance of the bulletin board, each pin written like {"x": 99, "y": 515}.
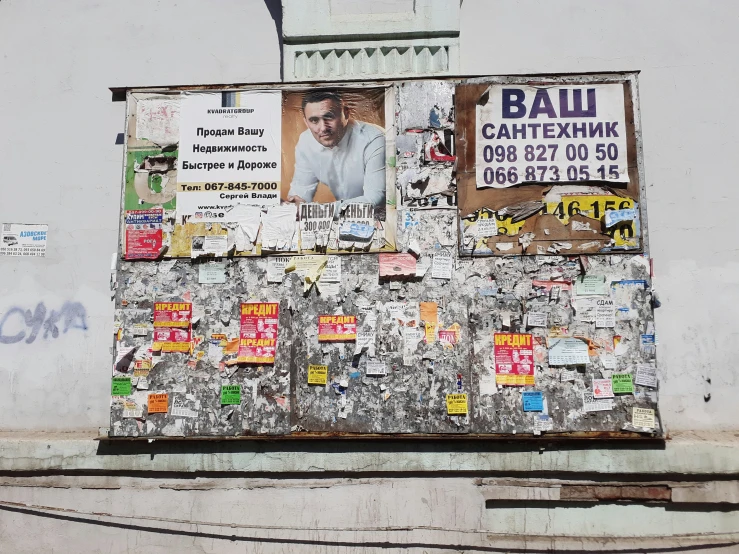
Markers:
{"x": 323, "y": 335}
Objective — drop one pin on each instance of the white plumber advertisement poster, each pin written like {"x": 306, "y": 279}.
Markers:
{"x": 229, "y": 152}
{"x": 564, "y": 134}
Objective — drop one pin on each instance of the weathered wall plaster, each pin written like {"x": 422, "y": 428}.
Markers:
{"x": 59, "y": 98}
{"x": 356, "y": 515}
{"x": 55, "y": 90}
{"x": 695, "y": 271}
{"x": 687, "y": 155}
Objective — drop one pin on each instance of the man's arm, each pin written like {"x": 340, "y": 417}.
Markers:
{"x": 374, "y": 173}
{"x": 304, "y": 181}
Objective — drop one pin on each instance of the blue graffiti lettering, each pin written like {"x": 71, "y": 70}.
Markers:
{"x": 14, "y": 338}
{"x": 72, "y": 315}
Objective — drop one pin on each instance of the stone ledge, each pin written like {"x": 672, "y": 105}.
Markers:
{"x": 684, "y": 454}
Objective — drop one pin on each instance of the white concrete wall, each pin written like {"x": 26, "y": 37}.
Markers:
{"x": 686, "y": 52}
{"x": 60, "y": 165}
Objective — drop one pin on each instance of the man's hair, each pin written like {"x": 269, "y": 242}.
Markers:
{"x": 320, "y": 96}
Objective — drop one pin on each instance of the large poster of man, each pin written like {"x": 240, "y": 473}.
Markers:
{"x": 333, "y": 146}
{"x": 334, "y": 166}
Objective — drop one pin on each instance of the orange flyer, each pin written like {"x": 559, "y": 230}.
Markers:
{"x": 158, "y": 403}
{"x": 429, "y": 312}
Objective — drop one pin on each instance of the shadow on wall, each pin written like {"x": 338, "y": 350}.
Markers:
{"x": 275, "y": 11}
{"x": 401, "y": 446}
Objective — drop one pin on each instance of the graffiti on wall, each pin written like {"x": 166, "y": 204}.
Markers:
{"x": 18, "y": 324}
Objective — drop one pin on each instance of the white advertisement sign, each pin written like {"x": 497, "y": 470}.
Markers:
{"x": 564, "y": 134}
{"x": 21, "y": 239}
{"x": 229, "y": 152}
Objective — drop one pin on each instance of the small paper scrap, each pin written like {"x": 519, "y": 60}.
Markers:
{"x": 276, "y": 268}
{"x": 567, "y": 375}
{"x": 533, "y": 401}
{"x": 212, "y": 273}
{"x": 157, "y": 403}
{"x": 376, "y": 368}
{"x": 602, "y": 388}
{"x": 442, "y": 264}
{"x": 230, "y": 395}
{"x": 591, "y": 285}
{"x": 536, "y": 319}
{"x": 215, "y": 244}
{"x": 542, "y": 422}
{"x": 317, "y": 374}
{"x": 456, "y": 404}
{"x": 487, "y": 228}
{"x": 180, "y": 410}
{"x": 397, "y": 265}
{"x": 642, "y": 417}
{"x": 568, "y": 351}
{"x": 590, "y": 404}
{"x": 646, "y": 375}
{"x": 132, "y": 410}
{"x": 605, "y": 313}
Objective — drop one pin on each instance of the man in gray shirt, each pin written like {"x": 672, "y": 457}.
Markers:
{"x": 346, "y": 155}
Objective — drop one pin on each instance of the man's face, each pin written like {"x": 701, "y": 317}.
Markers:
{"x": 327, "y": 121}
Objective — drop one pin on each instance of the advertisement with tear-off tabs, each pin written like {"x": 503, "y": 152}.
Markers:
{"x": 299, "y": 170}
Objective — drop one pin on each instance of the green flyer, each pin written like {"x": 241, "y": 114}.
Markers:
{"x": 230, "y": 394}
